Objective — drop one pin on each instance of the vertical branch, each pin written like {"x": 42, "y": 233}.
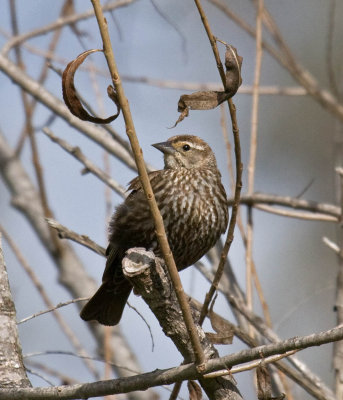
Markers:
{"x": 253, "y": 150}
{"x": 239, "y": 168}
{"x": 137, "y": 151}
{"x": 329, "y": 47}
{"x": 338, "y": 347}
{"x": 239, "y": 219}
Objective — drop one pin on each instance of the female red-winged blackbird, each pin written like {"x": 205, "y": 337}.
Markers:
{"x": 193, "y": 205}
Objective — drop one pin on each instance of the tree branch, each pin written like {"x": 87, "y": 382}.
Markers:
{"x": 146, "y": 185}
{"x": 171, "y": 375}
{"x": 150, "y": 279}
{"x": 239, "y": 167}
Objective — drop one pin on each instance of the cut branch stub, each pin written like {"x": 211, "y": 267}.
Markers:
{"x": 70, "y": 95}
{"x": 207, "y": 100}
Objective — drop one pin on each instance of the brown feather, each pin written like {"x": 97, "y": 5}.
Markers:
{"x": 193, "y": 205}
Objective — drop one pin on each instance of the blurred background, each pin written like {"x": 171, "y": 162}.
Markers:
{"x": 155, "y": 44}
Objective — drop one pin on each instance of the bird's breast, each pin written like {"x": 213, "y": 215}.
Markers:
{"x": 194, "y": 210}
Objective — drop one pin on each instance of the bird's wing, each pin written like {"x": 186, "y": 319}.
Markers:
{"x": 111, "y": 254}
{"x": 136, "y": 185}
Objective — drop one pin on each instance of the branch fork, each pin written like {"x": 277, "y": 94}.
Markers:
{"x": 150, "y": 279}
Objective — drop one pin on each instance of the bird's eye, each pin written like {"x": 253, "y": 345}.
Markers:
{"x": 186, "y": 147}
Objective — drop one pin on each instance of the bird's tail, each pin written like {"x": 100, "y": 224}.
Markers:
{"x": 107, "y": 304}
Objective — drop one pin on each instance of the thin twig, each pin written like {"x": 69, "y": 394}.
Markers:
{"x": 253, "y": 151}
{"x": 240, "y": 225}
{"x": 137, "y": 151}
{"x": 300, "y": 215}
{"x": 66, "y": 233}
{"x": 59, "y": 305}
{"x": 146, "y": 323}
{"x": 66, "y": 379}
{"x": 332, "y": 245}
{"x": 239, "y": 168}
{"x": 36, "y": 373}
{"x": 250, "y": 366}
{"x": 290, "y": 202}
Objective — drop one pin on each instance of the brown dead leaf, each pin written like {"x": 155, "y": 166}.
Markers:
{"x": 194, "y": 390}
{"x": 207, "y": 100}
{"x": 264, "y": 384}
{"x": 70, "y": 95}
{"x": 224, "y": 331}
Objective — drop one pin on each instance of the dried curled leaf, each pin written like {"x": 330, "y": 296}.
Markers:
{"x": 224, "y": 331}
{"x": 70, "y": 95}
{"x": 207, "y": 100}
{"x": 264, "y": 384}
{"x": 194, "y": 390}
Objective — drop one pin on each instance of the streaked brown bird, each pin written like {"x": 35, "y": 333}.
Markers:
{"x": 193, "y": 205}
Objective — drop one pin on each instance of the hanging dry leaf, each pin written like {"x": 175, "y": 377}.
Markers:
{"x": 194, "y": 390}
{"x": 70, "y": 96}
{"x": 224, "y": 331}
{"x": 206, "y": 100}
{"x": 264, "y": 384}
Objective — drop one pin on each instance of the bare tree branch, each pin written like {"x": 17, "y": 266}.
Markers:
{"x": 168, "y": 376}
{"x": 150, "y": 278}
{"x": 66, "y": 233}
{"x": 146, "y": 185}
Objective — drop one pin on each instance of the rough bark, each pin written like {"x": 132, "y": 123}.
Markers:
{"x": 150, "y": 279}
{"x": 12, "y": 370}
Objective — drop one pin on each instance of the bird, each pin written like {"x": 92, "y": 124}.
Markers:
{"x": 193, "y": 204}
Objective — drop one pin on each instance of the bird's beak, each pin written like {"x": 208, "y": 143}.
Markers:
{"x": 165, "y": 147}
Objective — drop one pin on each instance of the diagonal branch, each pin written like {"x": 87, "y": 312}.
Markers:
{"x": 239, "y": 169}
{"x": 137, "y": 151}
{"x": 168, "y": 376}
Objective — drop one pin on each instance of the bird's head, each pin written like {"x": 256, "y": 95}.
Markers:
{"x": 186, "y": 151}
